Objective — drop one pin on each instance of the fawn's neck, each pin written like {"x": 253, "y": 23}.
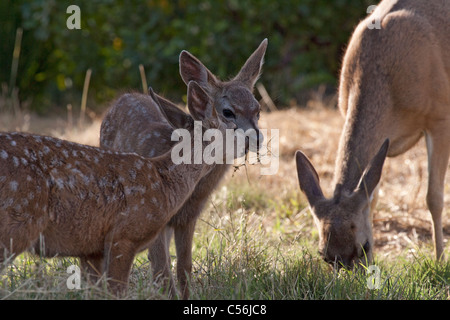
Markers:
{"x": 181, "y": 179}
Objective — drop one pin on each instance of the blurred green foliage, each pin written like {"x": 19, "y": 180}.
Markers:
{"x": 306, "y": 43}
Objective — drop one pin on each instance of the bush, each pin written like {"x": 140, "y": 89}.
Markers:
{"x": 306, "y": 41}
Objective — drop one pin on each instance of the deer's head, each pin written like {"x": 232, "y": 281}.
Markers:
{"x": 233, "y": 100}
{"x": 344, "y": 224}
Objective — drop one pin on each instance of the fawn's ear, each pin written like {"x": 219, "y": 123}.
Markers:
{"x": 199, "y": 103}
{"x": 371, "y": 176}
{"x": 308, "y": 178}
{"x": 191, "y": 69}
{"x": 176, "y": 117}
{"x": 251, "y": 70}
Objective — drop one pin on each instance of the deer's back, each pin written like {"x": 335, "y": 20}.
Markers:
{"x": 134, "y": 124}
{"x": 76, "y": 195}
{"x": 404, "y": 65}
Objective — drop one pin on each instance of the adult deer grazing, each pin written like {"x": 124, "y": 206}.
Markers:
{"x": 66, "y": 199}
{"x": 131, "y": 126}
{"x": 395, "y": 84}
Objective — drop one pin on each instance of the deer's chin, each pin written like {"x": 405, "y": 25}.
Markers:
{"x": 251, "y": 144}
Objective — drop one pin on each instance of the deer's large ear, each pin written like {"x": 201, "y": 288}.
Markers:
{"x": 199, "y": 103}
{"x": 372, "y": 174}
{"x": 191, "y": 69}
{"x": 251, "y": 70}
{"x": 176, "y": 117}
{"x": 308, "y": 178}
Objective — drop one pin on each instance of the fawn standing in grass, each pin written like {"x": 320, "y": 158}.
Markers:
{"x": 130, "y": 125}
{"x": 65, "y": 199}
{"x": 395, "y": 84}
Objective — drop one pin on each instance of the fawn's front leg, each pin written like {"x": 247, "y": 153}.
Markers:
{"x": 159, "y": 256}
{"x": 184, "y": 235}
{"x": 118, "y": 261}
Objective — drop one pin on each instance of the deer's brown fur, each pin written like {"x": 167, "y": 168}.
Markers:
{"x": 394, "y": 84}
{"x": 130, "y": 126}
{"x": 67, "y": 199}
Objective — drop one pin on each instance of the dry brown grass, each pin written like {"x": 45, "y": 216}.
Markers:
{"x": 401, "y": 221}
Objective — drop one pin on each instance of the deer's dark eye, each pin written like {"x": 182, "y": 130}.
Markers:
{"x": 227, "y": 113}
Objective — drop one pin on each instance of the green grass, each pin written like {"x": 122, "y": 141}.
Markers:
{"x": 243, "y": 253}
{"x": 241, "y": 262}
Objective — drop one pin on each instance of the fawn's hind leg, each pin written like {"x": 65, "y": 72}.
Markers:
{"x": 92, "y": 266}
{"x": 18, "y": 232}
{"x": 159, "y": 256}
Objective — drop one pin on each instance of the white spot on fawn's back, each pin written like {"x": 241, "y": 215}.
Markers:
{"x": 16, "y": 161}
{"x": 132, "y": 174}
{"x": 4, "y": 154}
{"x": 155, "y": 185}
{"x": 13, "y": 185}
{"x": 138, "y": 164}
